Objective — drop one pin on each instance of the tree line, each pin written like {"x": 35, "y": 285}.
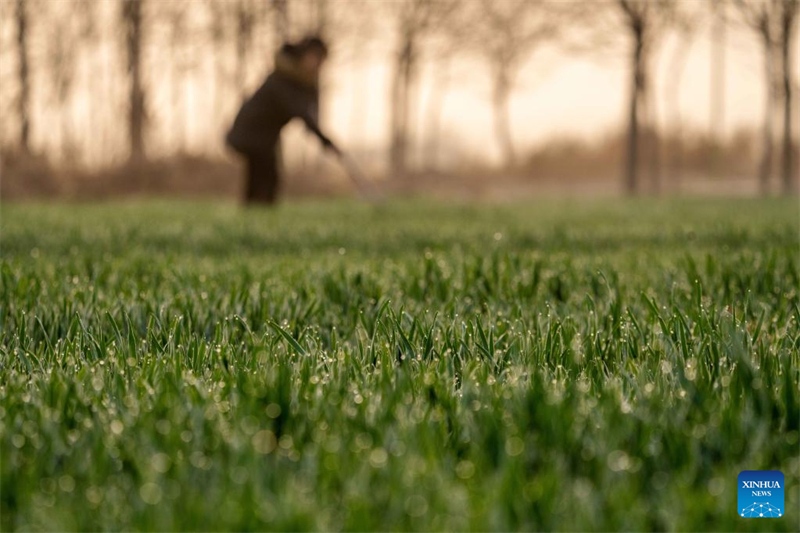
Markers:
{"x": 503, "y": 34}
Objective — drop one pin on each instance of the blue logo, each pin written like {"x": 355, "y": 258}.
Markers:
{"x": 760, "y": 494}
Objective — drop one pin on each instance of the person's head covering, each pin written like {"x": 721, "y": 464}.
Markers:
{"x": 313, "y": 43}
{"x": 287, "y": 60}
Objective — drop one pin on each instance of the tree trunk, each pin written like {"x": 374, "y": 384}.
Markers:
{"x": 281, "y": 22}
{"x": 440, "y": 85}
{"x": 716, "y": 126}
{"x": 23, "y": 102}
{"x": 132, "y": 20}
{"x": 765, "y": 167}
{"x": 177, "y": 127}
{"x": 218, "y": 42}
{"x": 91, "y": 77}
{"x": 673, "y": 110}
{"x": 320, "y": 15}
{"x": 401, "y": 89}
{"x": 653, "y": 139}
{"x": 60, "y": 63}
{"x": 243, "y": 30}
{"x": 655, "y": 158}
{"x": 787, "y": 167}
{"x": 637, "y": 83}
{"x": 502, "y": 125}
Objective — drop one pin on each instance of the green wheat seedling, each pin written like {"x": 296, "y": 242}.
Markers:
{"x": 555, "y": 366}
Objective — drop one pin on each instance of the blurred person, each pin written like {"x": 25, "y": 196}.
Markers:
{"x": 290, "y": 91}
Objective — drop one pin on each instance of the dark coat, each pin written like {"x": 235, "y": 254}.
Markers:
{"x": 283, "y": 96}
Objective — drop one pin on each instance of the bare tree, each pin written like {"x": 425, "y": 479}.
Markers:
{"x": 451, "y": 37}
{"x": 639, "y": 25}
{"x": 245, "y": 18}
{"x": 132, "y": 25}
{"x": 416, "y": 19}
{"x": 441, "y": 82}
{"x": 319, "y": 22}
{"x": 218, "y": 37}
{"x": 23, "y": 101}
{"x": 411, "y": 21}
{"x": 773, "y": 22}
{"x": 506, "y": 35}
{"x": 355, "y": 40}
{"x": 89, "y": 36}
{"x": 758, "y": 16}
{"x": 61, "y": 61}
{"x": 686, "y": 28}
{"x": 789, "y": 15}
{"x": 644, "y": 21}
{"x": 281, "y": 8}
{"x": 176, "y": 14}
{"x": 717, "y": 69}
{"x": 716, "y": 117}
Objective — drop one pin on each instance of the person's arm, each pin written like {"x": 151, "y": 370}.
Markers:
{"x": 300, "y": 103}
{"x": 310, "y": 117}
{"x": 313, "y": 126}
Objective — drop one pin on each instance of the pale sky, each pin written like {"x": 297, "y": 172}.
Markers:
{"x": 557, "y": 96}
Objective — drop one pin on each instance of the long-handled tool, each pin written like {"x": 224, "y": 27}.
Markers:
{"x": 367, "y": 188}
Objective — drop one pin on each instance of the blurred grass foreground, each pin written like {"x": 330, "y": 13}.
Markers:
{"x": 414, "y": 366}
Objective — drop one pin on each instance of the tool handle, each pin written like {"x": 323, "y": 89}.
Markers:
{"x": 365, "y": 186}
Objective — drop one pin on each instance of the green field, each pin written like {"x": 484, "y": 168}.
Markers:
{"x": 417, "y": 366}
